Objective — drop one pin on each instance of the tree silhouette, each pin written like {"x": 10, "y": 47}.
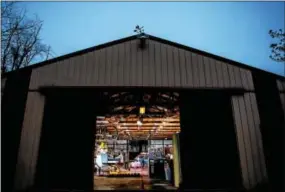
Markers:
{"x": 278, "y": 48}
{"x": 20, "y": 41}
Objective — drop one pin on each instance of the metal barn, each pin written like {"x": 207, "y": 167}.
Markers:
{"x": 223, "y": 104}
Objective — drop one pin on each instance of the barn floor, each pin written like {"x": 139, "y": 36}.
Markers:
{"x": 106, "y": 183}
{"x": 131, "y": 183}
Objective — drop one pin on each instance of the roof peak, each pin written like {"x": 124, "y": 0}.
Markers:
{"x": 151, "y": 37}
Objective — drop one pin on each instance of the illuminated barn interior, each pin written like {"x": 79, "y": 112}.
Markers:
{"x": 135, "y": 129}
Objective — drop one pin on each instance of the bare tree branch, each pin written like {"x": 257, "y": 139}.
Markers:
{"x": 20, "y": 38}
{"x": 278, "y": 49}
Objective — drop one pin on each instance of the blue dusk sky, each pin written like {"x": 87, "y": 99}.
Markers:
{"x": 235, "y": 30}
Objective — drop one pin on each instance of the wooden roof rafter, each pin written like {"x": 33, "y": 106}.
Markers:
{"x": 152, "y": 127}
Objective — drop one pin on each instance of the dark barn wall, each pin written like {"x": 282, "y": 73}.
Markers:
{"x": 3, "y": 82}
{"x": 13, "y": 104}
{"x": 247, "y": 126}
{"x": 202, "y": 122}
{"x": 65, "y": 160}
{"x": 281, "y": 88}
{"x": 30, "y": 137}
{"x": 272, "y": 126}
{"x": 209, "y": 151}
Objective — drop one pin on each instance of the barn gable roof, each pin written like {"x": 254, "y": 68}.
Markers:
{"x": 154, "y": 38}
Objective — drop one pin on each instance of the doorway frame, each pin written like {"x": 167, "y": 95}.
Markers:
{"x": 94, "y": 90}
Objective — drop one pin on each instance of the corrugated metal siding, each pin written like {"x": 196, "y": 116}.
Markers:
{"x": 3, "y": 82}
{"x": 249, "y": 139}
{"x": 281, "y": 88}
{"x": 29, "y": 143}
{"x": 159, "y": 65}
{"x": 281, "y": 85}
{"x": 282, "y": 97}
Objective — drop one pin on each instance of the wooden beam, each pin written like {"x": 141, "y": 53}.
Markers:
{"x": 146, "y": 128}
{"x": 148, "y": 119}
{"x": 134, "y": 124}
{"x": 125, "y": 112}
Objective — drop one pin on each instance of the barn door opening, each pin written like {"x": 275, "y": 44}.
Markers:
{"x": 65, "y": 159}
{"x": 209, "y": 156}
{"x": 135, "y": 148}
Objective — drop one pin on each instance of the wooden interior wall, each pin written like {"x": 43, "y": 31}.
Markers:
{"x": 159, "y": 65}
{"x": 249, "y": 138}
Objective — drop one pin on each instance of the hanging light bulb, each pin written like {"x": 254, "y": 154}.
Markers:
{"x": 139, "y": 123}
{"x": 142, "y": 110}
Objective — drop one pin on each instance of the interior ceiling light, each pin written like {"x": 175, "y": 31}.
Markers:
{"x": 139, "y": 123}
{"x": 142, "y": 110}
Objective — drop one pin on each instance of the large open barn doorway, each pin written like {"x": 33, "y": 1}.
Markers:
{"x": 134, "y": 128}
{"x": 134, "y": 147}
{"x": 70, "y": 139}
